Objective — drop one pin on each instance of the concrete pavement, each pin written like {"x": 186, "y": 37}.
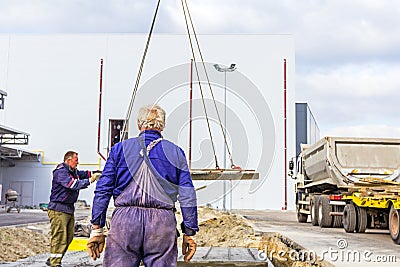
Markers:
{"x": 334, "y": 245}
{"x": 29, "y": 216}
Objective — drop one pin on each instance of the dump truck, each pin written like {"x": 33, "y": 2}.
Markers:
{"x": 352, "y": 183}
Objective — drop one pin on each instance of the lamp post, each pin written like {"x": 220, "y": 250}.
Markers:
{"x": 219, "y": 68}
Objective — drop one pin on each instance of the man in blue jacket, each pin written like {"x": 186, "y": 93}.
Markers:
{"x": 145, "y": 175}
{"x": 67, "y": 181}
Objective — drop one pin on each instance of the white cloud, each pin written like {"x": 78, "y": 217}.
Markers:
{"x": 353, "y": 81}
{"x": 326, "y": 32}
{"x": 23, "y": 14}
{"x": 352, "y": 94}
{"x": 371, "y": 131}
{"x": 75, "y": 16}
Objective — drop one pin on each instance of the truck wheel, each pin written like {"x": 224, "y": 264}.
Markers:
{"x": 324, "y": 219}
{"x": 394, "y": 225}
{"x": 301, "y": 217}
{"x": 314, "y": 210}
{"x": 349, "y": 218}
{"x": 362, "y": 218}
{"x": 337, "y": 220}
{"x": 385, "y": 223}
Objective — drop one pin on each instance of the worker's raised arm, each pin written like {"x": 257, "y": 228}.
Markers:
{"x": 84, "y": 174}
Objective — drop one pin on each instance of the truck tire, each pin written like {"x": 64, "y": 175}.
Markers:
{"x": 301, "y": 217}
{"x": 349, "y": 218}
{"x": 337, "y": 220}
{"x": 314, "y": 210}
{"x": 324, "y": 219}
{"x": 394, "y": 225}
{"x": 385, "y": 223}
{"x": 362, "y": 219}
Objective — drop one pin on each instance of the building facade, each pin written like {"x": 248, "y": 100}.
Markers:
{"x": 52, "y": 82}
{"x": 307, "y": 130}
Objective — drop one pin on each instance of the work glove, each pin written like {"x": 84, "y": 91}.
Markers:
{"x": 188, "y": 247}
{"x": 96, "y": 243}
{"x": 95, "y": 177}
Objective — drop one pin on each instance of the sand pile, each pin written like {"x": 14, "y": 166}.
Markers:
{"x": 19, "y": 243}
{"x": 226, "y": 231}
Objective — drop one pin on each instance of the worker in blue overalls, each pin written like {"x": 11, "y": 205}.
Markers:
{"x": 146, "y": 175}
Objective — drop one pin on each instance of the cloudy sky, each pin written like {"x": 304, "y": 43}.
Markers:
{"x": 347, "y": 51}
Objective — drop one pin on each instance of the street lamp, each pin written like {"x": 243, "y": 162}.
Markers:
{"x": 219, "y": 68}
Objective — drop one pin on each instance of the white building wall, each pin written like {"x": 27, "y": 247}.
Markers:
{"x": 52, "y": 83}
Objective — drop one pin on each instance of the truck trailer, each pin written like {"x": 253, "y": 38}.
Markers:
{"x": 352, "y": 183}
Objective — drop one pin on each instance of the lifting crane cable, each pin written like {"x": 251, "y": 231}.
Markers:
{"x": 129, "y": 112}
{"x": 208, "y": 82}
{"x": 133, "y": 97}
{"x": 201, "y": 89}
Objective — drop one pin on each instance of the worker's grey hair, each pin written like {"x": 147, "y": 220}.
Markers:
{"x": 151, "y": 117}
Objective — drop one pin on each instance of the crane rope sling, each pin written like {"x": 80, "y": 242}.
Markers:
{"x": 188, "y": 19}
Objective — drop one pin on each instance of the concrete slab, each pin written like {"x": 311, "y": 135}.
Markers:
{"x": 334, "y": 245}
{"x": 218, "y": 256}
{"x": 71, "y": 259}
{"x": 205, "y": 256}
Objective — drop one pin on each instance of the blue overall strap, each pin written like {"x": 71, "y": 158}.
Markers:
{"x": 166, "y": 185}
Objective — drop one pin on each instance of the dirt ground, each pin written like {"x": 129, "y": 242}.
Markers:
{"x": 19, "y": 243}
{"x": 217, "y": 229}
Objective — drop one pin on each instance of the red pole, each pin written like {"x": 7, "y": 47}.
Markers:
{"x": 285, "y": 132}
{"x": 99, "y": 121}
{"x": 190, "y": 113}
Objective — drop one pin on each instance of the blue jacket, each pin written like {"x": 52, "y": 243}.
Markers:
{"x": 167, "y": 159}
{"x": 65, "y": 187}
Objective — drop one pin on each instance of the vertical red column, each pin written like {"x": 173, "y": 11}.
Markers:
{"x": 285, "y": 134}
{"x": 99, "y": 122}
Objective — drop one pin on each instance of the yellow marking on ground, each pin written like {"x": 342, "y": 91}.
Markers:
{"x": 78, "y": 244}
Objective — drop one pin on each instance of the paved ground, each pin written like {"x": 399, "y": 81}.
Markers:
{"x": 373, "y": 248}
{"x": 24, "y": 217}
{"x": 27, "y": 216}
